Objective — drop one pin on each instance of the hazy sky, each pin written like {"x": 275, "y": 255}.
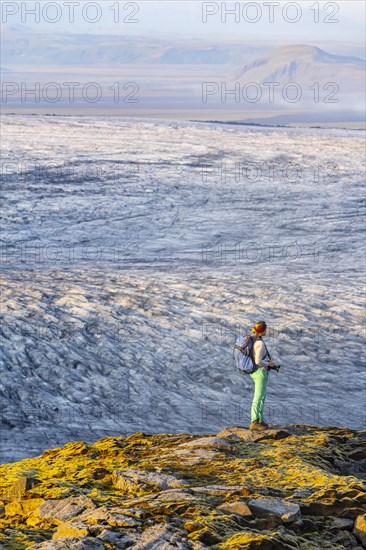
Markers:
{"x": 300, "y": 21}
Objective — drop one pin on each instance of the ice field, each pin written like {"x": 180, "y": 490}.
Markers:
{"x": 134, "y": 251}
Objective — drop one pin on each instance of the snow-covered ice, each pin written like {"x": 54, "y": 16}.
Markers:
{"x": 134, "y": 251}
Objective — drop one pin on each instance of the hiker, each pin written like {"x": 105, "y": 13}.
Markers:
{"x": 263, "y": 363}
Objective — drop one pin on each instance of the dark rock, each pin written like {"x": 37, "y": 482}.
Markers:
{"x": 308, "y": 524}
{"x": 303, "y": 492}
{"x": 263, "y": 523}
{"x": 344, "y": 538}
{"x": 344, "y": 508}
{"x": 358, "y": 454}
{"x": 342, "y": 523}
{"x": 351, "y": 468}
{"x": 352, "y": 512}
{"x": 120, "y": 540}
{"x": 208, "y": 538}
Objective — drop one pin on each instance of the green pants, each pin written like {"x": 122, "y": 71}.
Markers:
{"x": 260, "y": 378}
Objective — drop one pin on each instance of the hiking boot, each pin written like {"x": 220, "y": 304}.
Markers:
{"x": 255, "y": 425}
{"x": 264, "y": 423}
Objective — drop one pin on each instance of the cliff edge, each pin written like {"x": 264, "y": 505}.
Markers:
{"x": 297, "y": 487}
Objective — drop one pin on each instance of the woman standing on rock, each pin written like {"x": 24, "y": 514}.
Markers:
{"x": 263, "y": 362}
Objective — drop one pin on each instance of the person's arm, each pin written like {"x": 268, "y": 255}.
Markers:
{"x": 260, "y": 353}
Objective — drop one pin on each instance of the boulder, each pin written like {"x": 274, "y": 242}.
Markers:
{"x": 63, "y": 510}
{"x": 359, "y": 529}
{"x": 132, "y": 480}
{"x": 239, "y": 508}
{"x": 287, "y": 511}
{"x": 19, "y": 488}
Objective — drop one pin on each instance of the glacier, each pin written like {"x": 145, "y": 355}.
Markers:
{"x": 134, "y": 251}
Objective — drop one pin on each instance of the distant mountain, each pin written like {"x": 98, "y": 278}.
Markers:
{"x": 23, "y": 46}
{"x": 87, "y": 49}
{"x": 305, "y": 65}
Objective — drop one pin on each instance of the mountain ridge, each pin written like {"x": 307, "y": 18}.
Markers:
{"x": 304, "y": 64}
{"x": 69, "y": 49}
{"x": 288, "y": 487}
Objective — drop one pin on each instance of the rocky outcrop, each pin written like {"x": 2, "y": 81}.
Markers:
{"x": 136, "y": 481}
{"x": 238, "y": 489}
{"x": 252, "y": 435}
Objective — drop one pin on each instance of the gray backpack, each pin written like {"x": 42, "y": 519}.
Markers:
{"x": 243, "y": 355}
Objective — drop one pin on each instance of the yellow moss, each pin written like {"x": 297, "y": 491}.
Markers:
{"x": 191, "y": 526}
{"x": 56, "y": 472}
{"x": 35, "y": 521}
{"x": 68, "y": 530}
{"x": 107, "y": 443}
{"x": 273, "y": 467}
{"x": 22, "y": 507}
{"x": 9, "y": 473}
{"x": 243, "y": 541}
{"x": 219, "y": 526}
